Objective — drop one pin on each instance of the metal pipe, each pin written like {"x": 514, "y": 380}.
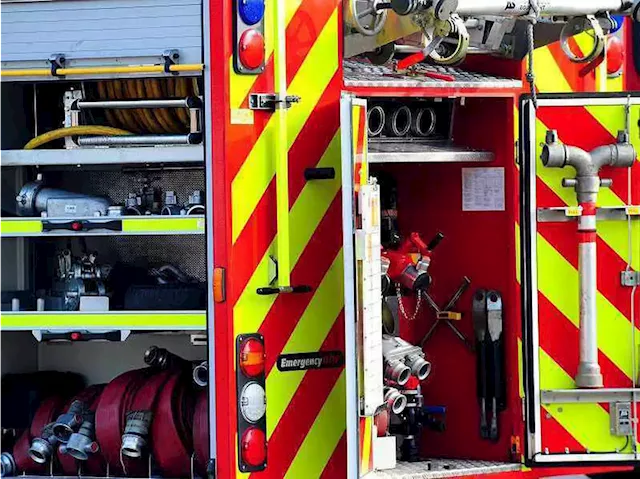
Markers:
{"x": 375, "y": 120}
{"x": 189, "y": 102}
{"x": 520, "y": 8}
{"x": 423, "y": 122}
{"x": 587, "y": 184}
{"x": 398, "y": 121}
{"x": 140, "y": 140}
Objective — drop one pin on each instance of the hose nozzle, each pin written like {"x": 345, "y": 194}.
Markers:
{"x": 69, "y": 422}
{"x": 162, "y": 358}
{"x": 82, "y": 443}
{"x": 42, "y": 448}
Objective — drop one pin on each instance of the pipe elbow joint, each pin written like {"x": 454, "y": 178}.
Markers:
{"x": 554, "y": 155}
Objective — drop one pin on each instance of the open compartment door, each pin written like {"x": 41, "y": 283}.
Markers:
{"x": 362, "y": 273}
{"x": 580, "y": 257}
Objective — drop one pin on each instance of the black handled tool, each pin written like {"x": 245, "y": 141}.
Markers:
{"x": 497, "y": 384}
{"x": 480, "y": 326}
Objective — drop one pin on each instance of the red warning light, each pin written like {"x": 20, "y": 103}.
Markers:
{"x": 254, "y": 447}
{"x": 251, "y": 49}
{"x": 76, "y": 226}
{"x": 75, "y": 336}
{"x": 252, "y": 357}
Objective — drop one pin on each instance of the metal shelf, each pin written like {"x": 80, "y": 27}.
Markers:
{"x": 416, "y": 152}
{"x": 130, "y": 226}
{"x": 104, "y": 320}
{"x": 104, "y": 156}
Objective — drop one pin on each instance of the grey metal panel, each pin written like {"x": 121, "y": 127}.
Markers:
{"x": 101, "y": 29}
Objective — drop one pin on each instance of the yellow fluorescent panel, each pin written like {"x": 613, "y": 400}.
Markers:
{"x": 175, "y": 320}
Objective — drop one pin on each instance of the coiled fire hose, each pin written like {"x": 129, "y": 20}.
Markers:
{"x": 144, "y": 120}
{"x": 145, "y": 417}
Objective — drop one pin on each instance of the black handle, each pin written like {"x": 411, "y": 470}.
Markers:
{"x": 284, "y": 289}
{"x": 435, "y": 241}
{"x": 482, "y": 386}
{"x": 82, "y": 225}
{"x": 319, "y": 174}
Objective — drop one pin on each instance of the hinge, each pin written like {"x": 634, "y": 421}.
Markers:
{"x": 211, "y": 469}
{"x": 271, "y": 101}
{"x": 630, "y": 279}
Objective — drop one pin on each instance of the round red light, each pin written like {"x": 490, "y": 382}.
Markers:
{"x": 615, "y": 55}
{"x": 75, "y": 336}
{"x": 76, "y": 226}
{"x": 252, "y": 357}
{"x": 254, "y": 447}
{"x": 251, "y": 49}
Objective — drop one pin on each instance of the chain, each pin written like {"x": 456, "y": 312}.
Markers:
{"x": 401, "y": 306}
{"x": 534, "y": 13}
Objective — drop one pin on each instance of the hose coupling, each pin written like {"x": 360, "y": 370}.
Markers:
{"x": 82, "y": 443}
{"x": 201, "y": 374}
{"x": 420, "y": 367}
{"x": 136, "y": 431}
{"x": 42, "y": 448}
{"x": 395, "y": 400}
{"x": 162, "y": 359}
{"x": 69, "y": 422}
{"x": 397, "y": 371}
{"x": 7, "y": 465}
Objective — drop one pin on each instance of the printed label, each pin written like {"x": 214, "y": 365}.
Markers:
{"x": 304, "y": 361}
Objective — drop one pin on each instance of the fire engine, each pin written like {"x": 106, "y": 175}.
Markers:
{"x": 319, "y": 238}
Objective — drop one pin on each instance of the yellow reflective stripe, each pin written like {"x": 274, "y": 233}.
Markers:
{"x": 168, "y": 224}
{"x": 240, "y": 85}
{"x": 256, "y": 172}
{"x": 558, "y": 281}
{"x": 309, "y": 334}
{"x": 323, "y": 437}
{"x": 305, "y": 216}
{"x": 553, "y": 79}
{"x": 170, "y": 320}
{"x": 20, "y": 226}
{"x": 365, "y": 454}
{"x": 520, "y": 369}
{"x": 141, "y": 225}
{"x": 587, "y": 423}
{"x": 518, "y": 251}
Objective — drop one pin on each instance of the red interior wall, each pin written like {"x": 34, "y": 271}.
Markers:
{"x": 481, "y": 246}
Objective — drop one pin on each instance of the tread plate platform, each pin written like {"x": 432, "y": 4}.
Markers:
{"x": 439, "y": 468}
{"x": 358, "y": 74}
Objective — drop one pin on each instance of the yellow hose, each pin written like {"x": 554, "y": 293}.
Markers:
{"x": 43, "y": 72}
{"x": 73, "y": 131}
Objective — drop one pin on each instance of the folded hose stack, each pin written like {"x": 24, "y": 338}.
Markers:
{"x": 147, "y": 421}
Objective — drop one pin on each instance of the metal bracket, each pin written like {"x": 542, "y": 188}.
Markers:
{"x": 57, "y": 61}
{"x": 630, "y": 279}
{"x": 587, "y": 396}
{"x": 570, "y": 213}
{"x": 170, "y": 57}
{"x": 271, "y": 101}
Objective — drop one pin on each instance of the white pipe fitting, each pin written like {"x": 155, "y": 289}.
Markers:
{"x": 587, "y": 184}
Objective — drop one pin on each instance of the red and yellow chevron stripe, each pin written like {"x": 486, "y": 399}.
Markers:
{"x": 305, "y": 409}
{"x": 580, "y": 427}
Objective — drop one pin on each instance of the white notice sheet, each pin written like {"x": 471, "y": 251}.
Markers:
{"x": 483, "y": 189}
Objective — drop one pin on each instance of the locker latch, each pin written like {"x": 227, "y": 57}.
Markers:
{"x": 271, "y": 101}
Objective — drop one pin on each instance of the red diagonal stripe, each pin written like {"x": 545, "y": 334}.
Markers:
{"x": 563, "y": 345}
{"x": 316, "y": 259}
{"x": 572, "y": 71}
{"x": 252, "y": 244}
{"x": 587, "y": 133}
{"x": 315, "y": 136}
{"x": 306, "y": 404}
{"x": 555, "y": 437}
{"x": 301, "y": 34}
{"x": 306, "y": 151}
{"x": 563, "y": 237}
{"x": 337, "y": 464}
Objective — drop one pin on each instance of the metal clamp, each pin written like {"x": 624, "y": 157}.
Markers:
{"x": 57, "y": 61}
{"x": 271, "y": 101}
{"x": 630, "y": 279}
{"x": 170, "y": 57}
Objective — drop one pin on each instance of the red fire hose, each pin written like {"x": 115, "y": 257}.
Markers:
{"x": 201, "y": 433}
{"x": 115, "y": 402}
{"x": 171, "y": 428}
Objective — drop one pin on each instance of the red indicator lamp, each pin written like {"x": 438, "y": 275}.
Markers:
{"x": 254, "y": 447}
{"x": 251, "y": 49}
{"x": 252, "y": 357}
